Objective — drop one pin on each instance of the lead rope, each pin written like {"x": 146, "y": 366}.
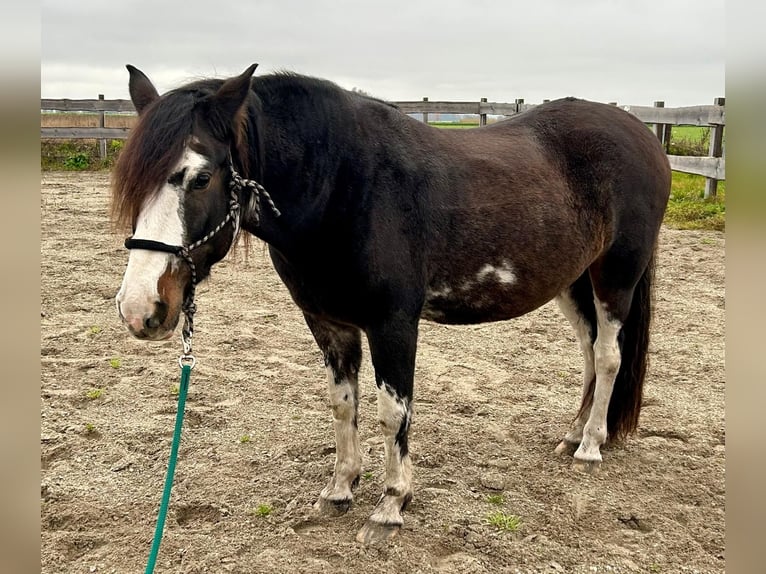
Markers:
{"x": 187, "y": 360}
{"x": 186, "y": 366}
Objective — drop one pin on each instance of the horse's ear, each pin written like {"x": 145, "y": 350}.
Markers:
{"x": 230, "y": 97}
{"x": 142, "y": 91}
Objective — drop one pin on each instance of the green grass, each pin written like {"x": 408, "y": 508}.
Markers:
{"x": 496, "y": 499}
{"x": 454, "y": 125}
{"x": 503, "y": 521}
{"x": 94, "y": 394}
{"x": 690, "y": 140}
{"x": 244, "y": 439}
{"x": 115, "y": 362}
{"x": 687, "y": 208}
{"x": 367, "y": 475}
{"x": 262, "y": 510}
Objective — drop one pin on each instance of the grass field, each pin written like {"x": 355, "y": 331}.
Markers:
{"x": 687, "y": 208}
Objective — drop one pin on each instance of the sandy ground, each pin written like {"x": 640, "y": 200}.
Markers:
{"x": 492, "y": 402}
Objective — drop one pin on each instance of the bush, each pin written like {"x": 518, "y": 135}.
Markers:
{"x": 77, "y": 155}
{"x": 77, "y": 162}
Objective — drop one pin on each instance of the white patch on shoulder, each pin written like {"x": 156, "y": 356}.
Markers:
{"x": 503, "y": 274}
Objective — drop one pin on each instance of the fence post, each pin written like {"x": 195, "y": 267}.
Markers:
{"x": 518, "y": 102}
{"x": 716, "y": 150}
{"x": 425, "y": 114}
{"x": 662, "y": 131}
{"x": 482, "y": 117}
{"x": 101, "y": 124}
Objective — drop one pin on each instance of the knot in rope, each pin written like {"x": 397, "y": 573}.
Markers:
{"x": 238, "y": 183}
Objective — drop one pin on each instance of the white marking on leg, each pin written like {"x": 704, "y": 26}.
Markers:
{"x": 583, "y": 332}
{"x": 393, "y": 412}
{"x": 348, "y": 456}
{"x": 161, "y": 219}
{"x": 607, "y": 363}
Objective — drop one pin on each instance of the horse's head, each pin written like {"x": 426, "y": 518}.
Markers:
{"x": 172, "y": 185}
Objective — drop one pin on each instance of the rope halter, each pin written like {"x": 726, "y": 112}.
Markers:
{"x": 236, "y": 186}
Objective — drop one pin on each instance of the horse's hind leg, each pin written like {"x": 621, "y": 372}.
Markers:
{"x": 576, "y": 303}
{"x": 342, "y": 350}
{"x": 606, "y": 354}
{"x": 622, "y": 285}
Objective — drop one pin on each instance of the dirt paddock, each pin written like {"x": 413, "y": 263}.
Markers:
{"x": 491, "y": 403}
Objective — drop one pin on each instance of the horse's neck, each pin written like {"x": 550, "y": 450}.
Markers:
{"x": 299, "y": 174}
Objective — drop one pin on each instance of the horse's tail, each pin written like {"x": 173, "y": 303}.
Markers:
{"x": 625, "y": 403}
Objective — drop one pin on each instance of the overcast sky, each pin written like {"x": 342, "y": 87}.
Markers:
{"x": 628, "y": 51}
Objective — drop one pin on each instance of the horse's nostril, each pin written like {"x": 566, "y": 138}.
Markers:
{"x": 156, "y": 319}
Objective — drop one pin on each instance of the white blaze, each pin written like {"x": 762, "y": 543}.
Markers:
{"x": 161, "y": 219}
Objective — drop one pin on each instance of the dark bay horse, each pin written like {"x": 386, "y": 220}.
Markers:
{"x": 375, "y": 220}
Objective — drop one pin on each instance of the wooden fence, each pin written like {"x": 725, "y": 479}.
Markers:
{"x": 712, "y": 166}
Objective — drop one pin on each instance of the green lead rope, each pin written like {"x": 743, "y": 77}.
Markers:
{"x": 185, "y": 373}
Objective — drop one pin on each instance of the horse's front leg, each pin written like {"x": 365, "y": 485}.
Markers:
{"x": 342, "y": 350}
{"x": 393, "y": 348}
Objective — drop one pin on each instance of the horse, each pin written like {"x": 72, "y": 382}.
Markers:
{"x": 375, "y": 220}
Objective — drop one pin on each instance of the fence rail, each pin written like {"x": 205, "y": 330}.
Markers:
{"x": 712, "y": 166}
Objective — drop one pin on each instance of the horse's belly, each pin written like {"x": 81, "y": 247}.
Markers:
{"x": 494, "y": 300}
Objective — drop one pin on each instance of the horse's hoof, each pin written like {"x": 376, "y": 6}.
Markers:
{"x": 373, "y": 533}
{"x": 591, "y": 467}
{"x": 329, "y": 507}
{"x": 565, "y": 448}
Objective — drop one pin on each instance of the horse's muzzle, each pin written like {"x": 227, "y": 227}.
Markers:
{"x": 151, "y": 326}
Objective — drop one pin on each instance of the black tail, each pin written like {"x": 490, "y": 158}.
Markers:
{"x": 625, "y": 404}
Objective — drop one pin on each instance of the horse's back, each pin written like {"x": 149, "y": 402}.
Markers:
{"x": 535, "y": 200}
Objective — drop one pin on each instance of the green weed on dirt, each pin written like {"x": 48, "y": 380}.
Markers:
{"x": 503, "y": 521}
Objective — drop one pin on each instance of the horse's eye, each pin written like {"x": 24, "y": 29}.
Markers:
{"x": 201, "y": 181}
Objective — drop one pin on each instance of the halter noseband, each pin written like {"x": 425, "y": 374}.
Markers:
{"x": 236, "y": 184}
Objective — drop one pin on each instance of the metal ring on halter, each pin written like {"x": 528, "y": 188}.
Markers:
{"x": 184, "y": 360}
